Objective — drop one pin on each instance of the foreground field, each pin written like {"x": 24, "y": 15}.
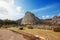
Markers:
{"x": 10, "y": 35}
{"x": 47, "y": 34}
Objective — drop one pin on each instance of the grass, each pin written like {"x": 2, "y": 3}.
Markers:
{"x": 51, "y": 35}
{"x": 44, "y": 33}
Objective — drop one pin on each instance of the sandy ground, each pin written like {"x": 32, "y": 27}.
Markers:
{"x": 9, "y": 35}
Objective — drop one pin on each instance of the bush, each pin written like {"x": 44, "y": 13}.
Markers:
{"x": 0, "y": 25}
{"x": 5, "y": 26}
{"x": 30, "y": 27}
{"x": 56, "y": 29}
{"x": 21, "y": 28}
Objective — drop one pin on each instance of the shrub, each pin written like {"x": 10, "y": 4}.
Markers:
{"x": 5, "y": 26}
{"x": 0, "y": 25}
{"x": 21, "y": 28}
{"x": 30, "y": 27}
{"x": 56, "y": 29}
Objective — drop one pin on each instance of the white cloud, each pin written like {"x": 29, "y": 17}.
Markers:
{"x": 45, "y": 17}
{"x": 18, "y": 9}
{"x": 41, "y": 9}
{"x": 8, "y": 10}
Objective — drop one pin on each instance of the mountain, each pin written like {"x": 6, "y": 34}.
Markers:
{"x": 29, "y": 18}
{"x": 56, "y": 19}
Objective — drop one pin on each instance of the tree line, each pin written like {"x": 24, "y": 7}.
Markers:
{"x": 7, "y": 22}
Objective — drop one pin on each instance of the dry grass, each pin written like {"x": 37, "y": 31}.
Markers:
{"x": 44, "y": 33}
{"x": 51, "y": 35}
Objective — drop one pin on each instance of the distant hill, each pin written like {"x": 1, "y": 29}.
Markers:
{"x": 29, "y": 18}
{"x": 56, "y": 19}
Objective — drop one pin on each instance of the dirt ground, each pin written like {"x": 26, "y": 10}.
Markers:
{"x": 9, "y": 35}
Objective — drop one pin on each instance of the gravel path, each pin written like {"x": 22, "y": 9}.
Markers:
{"x": 9, "y": 35}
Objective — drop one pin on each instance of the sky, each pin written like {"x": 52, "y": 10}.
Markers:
{"x": 15, "y": 9}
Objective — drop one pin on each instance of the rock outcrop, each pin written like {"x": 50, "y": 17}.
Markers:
{"x": 29, "y": 18}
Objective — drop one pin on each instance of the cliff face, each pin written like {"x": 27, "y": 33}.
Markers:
{"x": 30, "y": 18}
{"x": 56, "y": 19}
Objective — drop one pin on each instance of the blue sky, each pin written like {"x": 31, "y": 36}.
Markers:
{"x": 41, "y": 8}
